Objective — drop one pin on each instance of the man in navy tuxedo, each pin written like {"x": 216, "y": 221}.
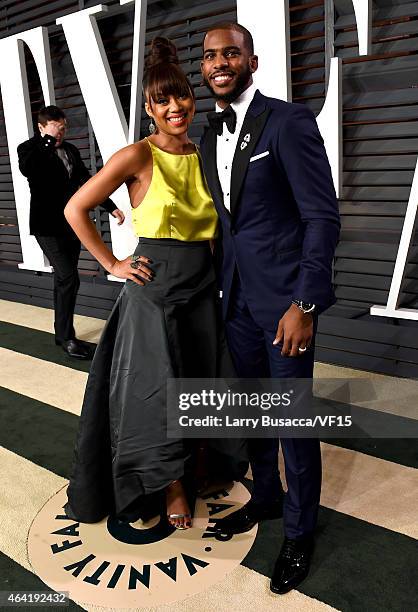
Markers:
{"x": 270, "y": 179}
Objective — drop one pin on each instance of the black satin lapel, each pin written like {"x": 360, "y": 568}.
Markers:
{"x": 211, "y": 169}
{"x": 250, "y": 133}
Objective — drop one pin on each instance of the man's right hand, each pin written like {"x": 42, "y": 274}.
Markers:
{"x": 139, "y": 274}
{"x": 52, "y": 128}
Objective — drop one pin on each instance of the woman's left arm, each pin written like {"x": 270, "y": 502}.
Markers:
{"x": 121, "y": 167}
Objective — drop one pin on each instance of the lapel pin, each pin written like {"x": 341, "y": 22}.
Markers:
{"x": 245, "y": 142}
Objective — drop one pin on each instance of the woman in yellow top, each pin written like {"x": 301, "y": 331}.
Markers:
{"x": 164, "y": 323}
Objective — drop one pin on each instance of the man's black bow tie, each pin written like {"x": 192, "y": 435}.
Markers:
{"x": 216, "y": 120}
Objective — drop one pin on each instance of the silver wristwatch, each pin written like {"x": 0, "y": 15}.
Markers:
{"x": 305, "y": 307}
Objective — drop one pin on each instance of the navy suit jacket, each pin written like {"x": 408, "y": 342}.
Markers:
{"x": 281, "y": 233}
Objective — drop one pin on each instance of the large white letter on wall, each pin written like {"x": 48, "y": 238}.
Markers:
{"x": 18, "y": 121}
{"x": 363, "y": 10}
{"x": 330, "y": 118}
{"x": 103, "y": 105}
{"x": 268, "y": 22}
{"x": 391, "y": 309}
{"x": 138, "y": 53}
{"x": 330, "y": 123}
{"x": 269, "y": 25}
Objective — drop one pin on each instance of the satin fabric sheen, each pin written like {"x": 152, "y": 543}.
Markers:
{"x": 168, "y": 328}
{"x": 177, "y": 204}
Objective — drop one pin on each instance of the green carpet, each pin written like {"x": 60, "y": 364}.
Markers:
{"x": 37, "y": 344}
{"x": 14, "y": 577}
{"x": 357, "y": 566}
{"x": 371, "y": 566}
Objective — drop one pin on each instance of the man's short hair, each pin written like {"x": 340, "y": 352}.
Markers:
{"x": 231, "y": 25}
{"x": 50, "y": 113}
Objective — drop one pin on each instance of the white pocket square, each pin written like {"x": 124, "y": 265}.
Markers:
{"x": 259, "y": 156}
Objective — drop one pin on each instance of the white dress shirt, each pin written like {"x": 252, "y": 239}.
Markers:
{"x": 226, "y": 143}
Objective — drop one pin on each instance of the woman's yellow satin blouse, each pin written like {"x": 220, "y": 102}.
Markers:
{"x": 178, "y": 203}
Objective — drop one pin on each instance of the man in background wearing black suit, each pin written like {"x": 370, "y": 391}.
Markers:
{"x": 55, "y": 171}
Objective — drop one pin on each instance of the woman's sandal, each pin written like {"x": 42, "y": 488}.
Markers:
{"x": 183, "y": 516}
{"x": 187, "y": 517}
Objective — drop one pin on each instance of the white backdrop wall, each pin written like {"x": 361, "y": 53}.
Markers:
{"x": 379, "y": 125}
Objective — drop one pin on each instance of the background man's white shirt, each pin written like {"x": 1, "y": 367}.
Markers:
{"x": 226, "y": 143}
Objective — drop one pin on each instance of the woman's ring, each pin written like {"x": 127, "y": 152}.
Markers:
{"x": 135, "y": 261}
{"x": 302, "y": 350}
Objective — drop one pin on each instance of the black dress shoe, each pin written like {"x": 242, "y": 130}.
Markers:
{"x": 88, "y": 346}
{"x": 74, "y": 349}
{"x": 245, "y": 518}
{"x": 82, "y": 343}
{"x": 292, "y": 565}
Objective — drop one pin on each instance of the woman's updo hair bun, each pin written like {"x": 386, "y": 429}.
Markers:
{"x": 162, "y": 51}
{"x": 162, "y": 74}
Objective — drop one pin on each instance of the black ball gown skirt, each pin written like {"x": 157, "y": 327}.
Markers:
{"x": 166, "y": 329}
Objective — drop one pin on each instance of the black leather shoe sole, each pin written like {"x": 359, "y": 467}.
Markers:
{"x": 82, "y": 343}
{"x": 282, "y": 590}
{"x": 76, "y": 349}
{"x": 235, "y": 529}
{"x": 76, "y": 355}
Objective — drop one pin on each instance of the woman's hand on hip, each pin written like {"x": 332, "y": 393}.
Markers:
{"x": 133, "y": 268}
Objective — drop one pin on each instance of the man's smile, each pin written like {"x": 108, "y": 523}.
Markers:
{"x": 222, "y": 78}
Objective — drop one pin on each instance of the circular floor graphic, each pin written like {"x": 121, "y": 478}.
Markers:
{"x": 136, "y": 564}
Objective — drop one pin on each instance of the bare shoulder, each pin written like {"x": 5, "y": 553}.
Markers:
{"x": 137, "y": 151}
{"x": 133, "y": 158}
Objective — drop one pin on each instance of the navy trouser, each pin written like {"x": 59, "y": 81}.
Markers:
{"x": 255, "y": 356}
